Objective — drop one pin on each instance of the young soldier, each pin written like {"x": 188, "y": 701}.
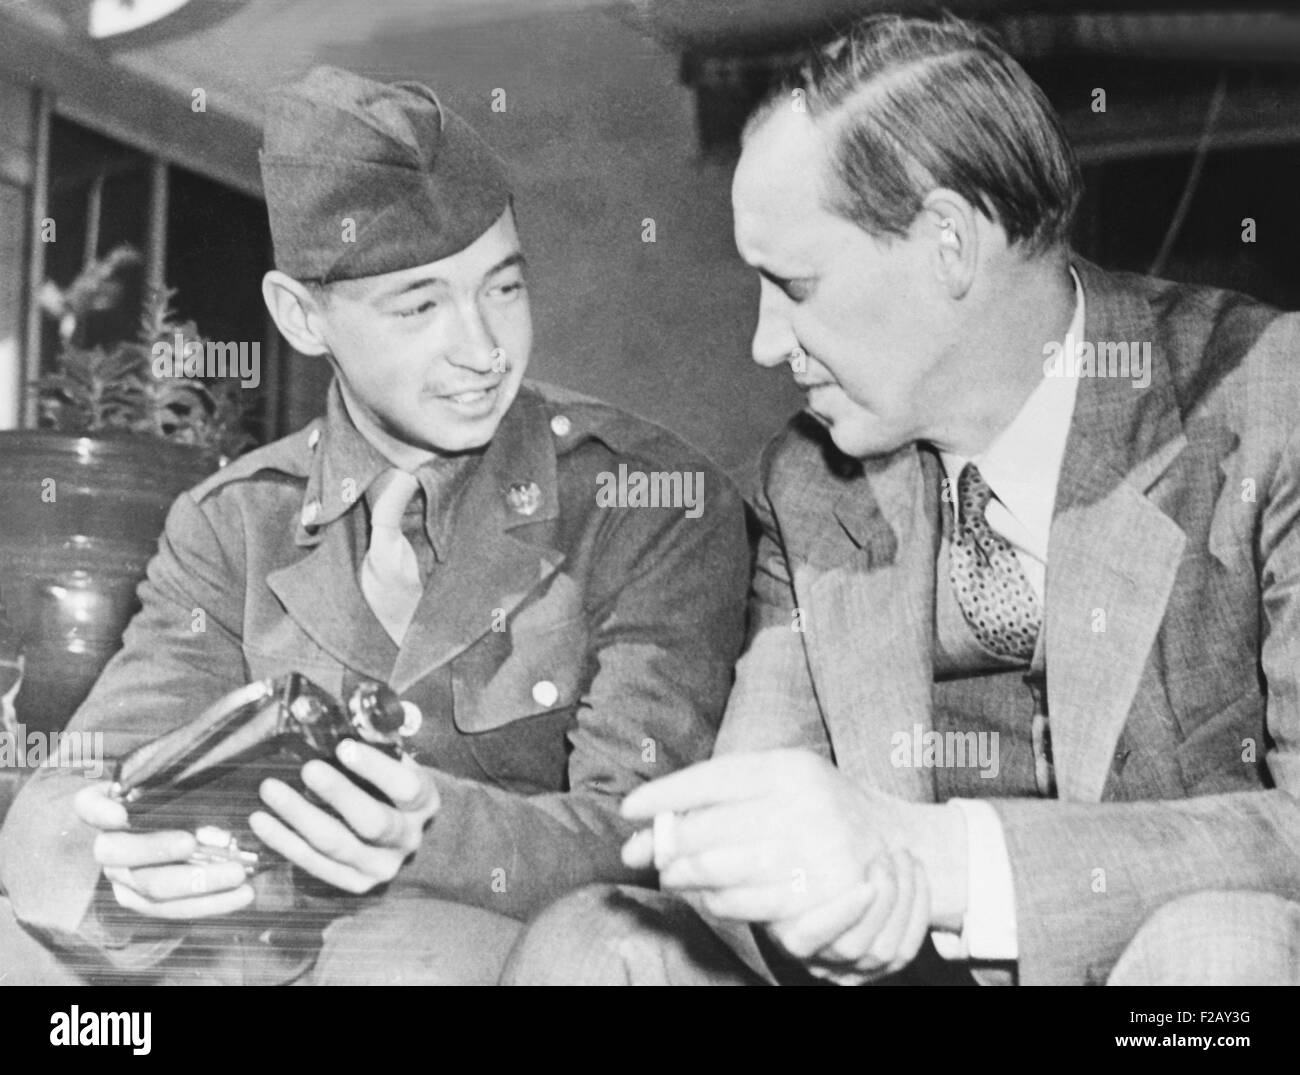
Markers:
{"x": 438, "y": 530}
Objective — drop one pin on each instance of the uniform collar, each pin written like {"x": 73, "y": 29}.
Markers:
{"x": 518, "y": 467}
{"x": 343, "y": 466}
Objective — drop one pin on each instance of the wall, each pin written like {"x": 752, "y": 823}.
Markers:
{"x": 600, "y": 136}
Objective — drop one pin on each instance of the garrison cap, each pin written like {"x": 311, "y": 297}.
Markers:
{"x": 413, "y": 178}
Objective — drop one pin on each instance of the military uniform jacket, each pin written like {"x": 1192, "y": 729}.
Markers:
{"x": 564, "y": 649}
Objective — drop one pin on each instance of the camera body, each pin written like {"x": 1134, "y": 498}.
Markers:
{"x": 205, "y": 776}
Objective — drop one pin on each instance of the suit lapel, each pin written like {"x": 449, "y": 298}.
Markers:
{"x": 1113, "y": 553}
{"x": 869, "y": 586}
{"x": 497, "y": 555}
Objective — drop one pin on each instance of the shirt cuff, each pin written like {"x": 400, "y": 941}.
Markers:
{"x": 989, "y": 927}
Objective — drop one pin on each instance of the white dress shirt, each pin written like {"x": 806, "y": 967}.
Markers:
{"x": 1021, "y": 467}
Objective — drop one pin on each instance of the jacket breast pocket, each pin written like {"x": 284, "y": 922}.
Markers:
{"x": 507, "y": 676}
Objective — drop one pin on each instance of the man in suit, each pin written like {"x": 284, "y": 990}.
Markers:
{"x": 441, "y": 529}
{"x": 1021, "y": 694}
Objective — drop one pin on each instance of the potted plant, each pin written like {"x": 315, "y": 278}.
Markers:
{"x": 84, "y": 497}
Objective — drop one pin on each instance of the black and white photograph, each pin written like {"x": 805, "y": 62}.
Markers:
{"x": 650, "y": 492}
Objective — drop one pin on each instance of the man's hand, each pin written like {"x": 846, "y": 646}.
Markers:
{"x": 367, "y": 850}
{"x": 762, "y": 837}
{"x": 149, "y": 871}
{"x": 784, "y": 839}
{"x": 871, "y": 931}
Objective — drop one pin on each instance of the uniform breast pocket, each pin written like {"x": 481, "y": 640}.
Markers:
{"x": 526, "y": 671}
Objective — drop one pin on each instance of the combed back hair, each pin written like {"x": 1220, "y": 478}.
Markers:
{"x": 912, "y": 105}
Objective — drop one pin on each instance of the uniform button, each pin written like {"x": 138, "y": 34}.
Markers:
{"x": 560, "y": 425}
{"x": 313, "y": 438}
{"x": 310, "y": 512}
{"x": 524, "y": 497}
{"x": 546, "y": 693}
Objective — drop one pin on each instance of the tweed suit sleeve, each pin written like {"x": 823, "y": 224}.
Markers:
{"x": 772, "y": 704}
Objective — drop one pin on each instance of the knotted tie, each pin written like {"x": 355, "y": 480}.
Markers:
{"x": 990, "y": 585}
{"x": 390, "y": 572}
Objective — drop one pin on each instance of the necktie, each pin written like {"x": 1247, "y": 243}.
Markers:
{"x": 390, "y": 572}
{"x": 990, "y": 585}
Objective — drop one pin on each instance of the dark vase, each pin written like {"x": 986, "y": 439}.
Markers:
{"x": 80, "y": 519}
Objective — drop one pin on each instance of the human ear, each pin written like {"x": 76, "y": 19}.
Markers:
{"x": 295, "y": 311}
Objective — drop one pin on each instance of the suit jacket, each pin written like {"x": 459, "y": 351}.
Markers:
{"x": 560, "y": 655}
{"x": 1172, "y": 624}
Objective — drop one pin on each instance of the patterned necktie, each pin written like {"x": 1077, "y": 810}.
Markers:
{"x": 390, "y": 572}
{"x": 995, "y": 596}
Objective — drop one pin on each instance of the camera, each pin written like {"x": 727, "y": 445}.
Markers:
{"x": 204, "y": 776}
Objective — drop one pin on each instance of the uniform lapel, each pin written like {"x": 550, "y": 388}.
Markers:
{"x": 869, "y": 586}
{"x": 497, "y": 554}
{"x": 1113, "y": 553}
{"x": 321, "y": 594}
{"x": 320, "y": 591}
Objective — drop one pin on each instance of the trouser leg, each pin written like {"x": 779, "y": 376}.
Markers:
{"x": 26, "y": 960}
{"x": 620, "y": 935}
{"x": 410, "y": 940}
{"x": 1215, "y": 938}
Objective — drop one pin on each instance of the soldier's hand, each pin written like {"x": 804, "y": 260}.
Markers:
{"x": 366, "y": 848}
{"x": 149, "y": 871}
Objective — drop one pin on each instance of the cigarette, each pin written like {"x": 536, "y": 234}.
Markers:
{"x": 665, "y": 833}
